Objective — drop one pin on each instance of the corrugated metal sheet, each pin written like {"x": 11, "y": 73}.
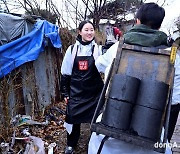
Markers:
{"x": 32, "y": 86}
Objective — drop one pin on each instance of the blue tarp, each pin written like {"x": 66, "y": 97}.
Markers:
{"x": 28, "y": 47}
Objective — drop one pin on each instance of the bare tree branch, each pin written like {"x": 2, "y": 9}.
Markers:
{"x": 5, "y": 3}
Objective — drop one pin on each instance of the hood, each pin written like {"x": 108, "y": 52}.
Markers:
{"x": 145, "y": 36}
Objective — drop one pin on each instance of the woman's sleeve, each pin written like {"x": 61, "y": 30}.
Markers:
{"x": 105, "y": 60}
{"x": 66, "y": 68}
{"x": 66, "y": 71}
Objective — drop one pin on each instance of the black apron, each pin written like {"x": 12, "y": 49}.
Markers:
{"x": 85, "y": 89}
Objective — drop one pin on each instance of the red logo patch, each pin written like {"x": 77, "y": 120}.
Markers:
{"x": 83, "y": 65}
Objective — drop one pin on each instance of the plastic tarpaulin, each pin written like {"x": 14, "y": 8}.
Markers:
{"x": 28, "y": 47}
{"x": 8, "y": 33}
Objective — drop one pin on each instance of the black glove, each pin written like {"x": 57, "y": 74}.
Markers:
{"x": 65, "y": 85}
{"x": 106, "y": 47}
{"x": 170, "y": 41}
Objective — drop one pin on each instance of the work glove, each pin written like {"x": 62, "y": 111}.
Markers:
{"x": 110, "y": 38}
{"x": 170, "y": 41}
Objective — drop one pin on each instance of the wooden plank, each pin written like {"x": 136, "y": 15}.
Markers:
{"x": 145, "y": 65}
{"x": 153, "y": 50}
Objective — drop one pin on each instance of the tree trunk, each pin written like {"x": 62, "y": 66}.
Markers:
{"x": 96, "y": 21}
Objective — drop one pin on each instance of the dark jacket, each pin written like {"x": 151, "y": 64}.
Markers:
{"x": 144, "y": 36}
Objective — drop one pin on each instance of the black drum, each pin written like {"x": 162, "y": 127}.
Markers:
{"x": 117, "y": 114}
{"x": 153, "y": 94}
{"x": 146, "y": 122}
{"x": 124, "y": 88}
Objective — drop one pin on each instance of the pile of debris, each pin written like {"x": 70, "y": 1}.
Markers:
{"x": 40, "y": 136}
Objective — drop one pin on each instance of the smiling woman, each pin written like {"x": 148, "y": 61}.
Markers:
{"x": 86, "y": 31}
{"x": 81, "y": 83}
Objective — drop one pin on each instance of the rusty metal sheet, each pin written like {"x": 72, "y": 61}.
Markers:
{"x": 38, "y": 80}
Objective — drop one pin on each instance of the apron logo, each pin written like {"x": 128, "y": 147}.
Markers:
{"x": 83, "y": 65}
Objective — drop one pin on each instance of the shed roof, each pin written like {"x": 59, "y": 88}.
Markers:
{"x": 28, "y": 47}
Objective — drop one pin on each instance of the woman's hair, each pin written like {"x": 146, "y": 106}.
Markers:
{"x": 83, "y": 23}
{"x": 151, "y": 14}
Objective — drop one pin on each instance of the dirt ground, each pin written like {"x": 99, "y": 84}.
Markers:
{"x": 82, "y": 146}
{"x": 54, "y": 132}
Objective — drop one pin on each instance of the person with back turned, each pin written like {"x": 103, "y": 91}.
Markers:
{"x": 145, "y": 33}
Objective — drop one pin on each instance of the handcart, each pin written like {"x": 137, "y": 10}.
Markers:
{"x": 145, "y": 71}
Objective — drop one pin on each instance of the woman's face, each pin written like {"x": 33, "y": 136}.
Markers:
{"x": 87, "y": 33}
